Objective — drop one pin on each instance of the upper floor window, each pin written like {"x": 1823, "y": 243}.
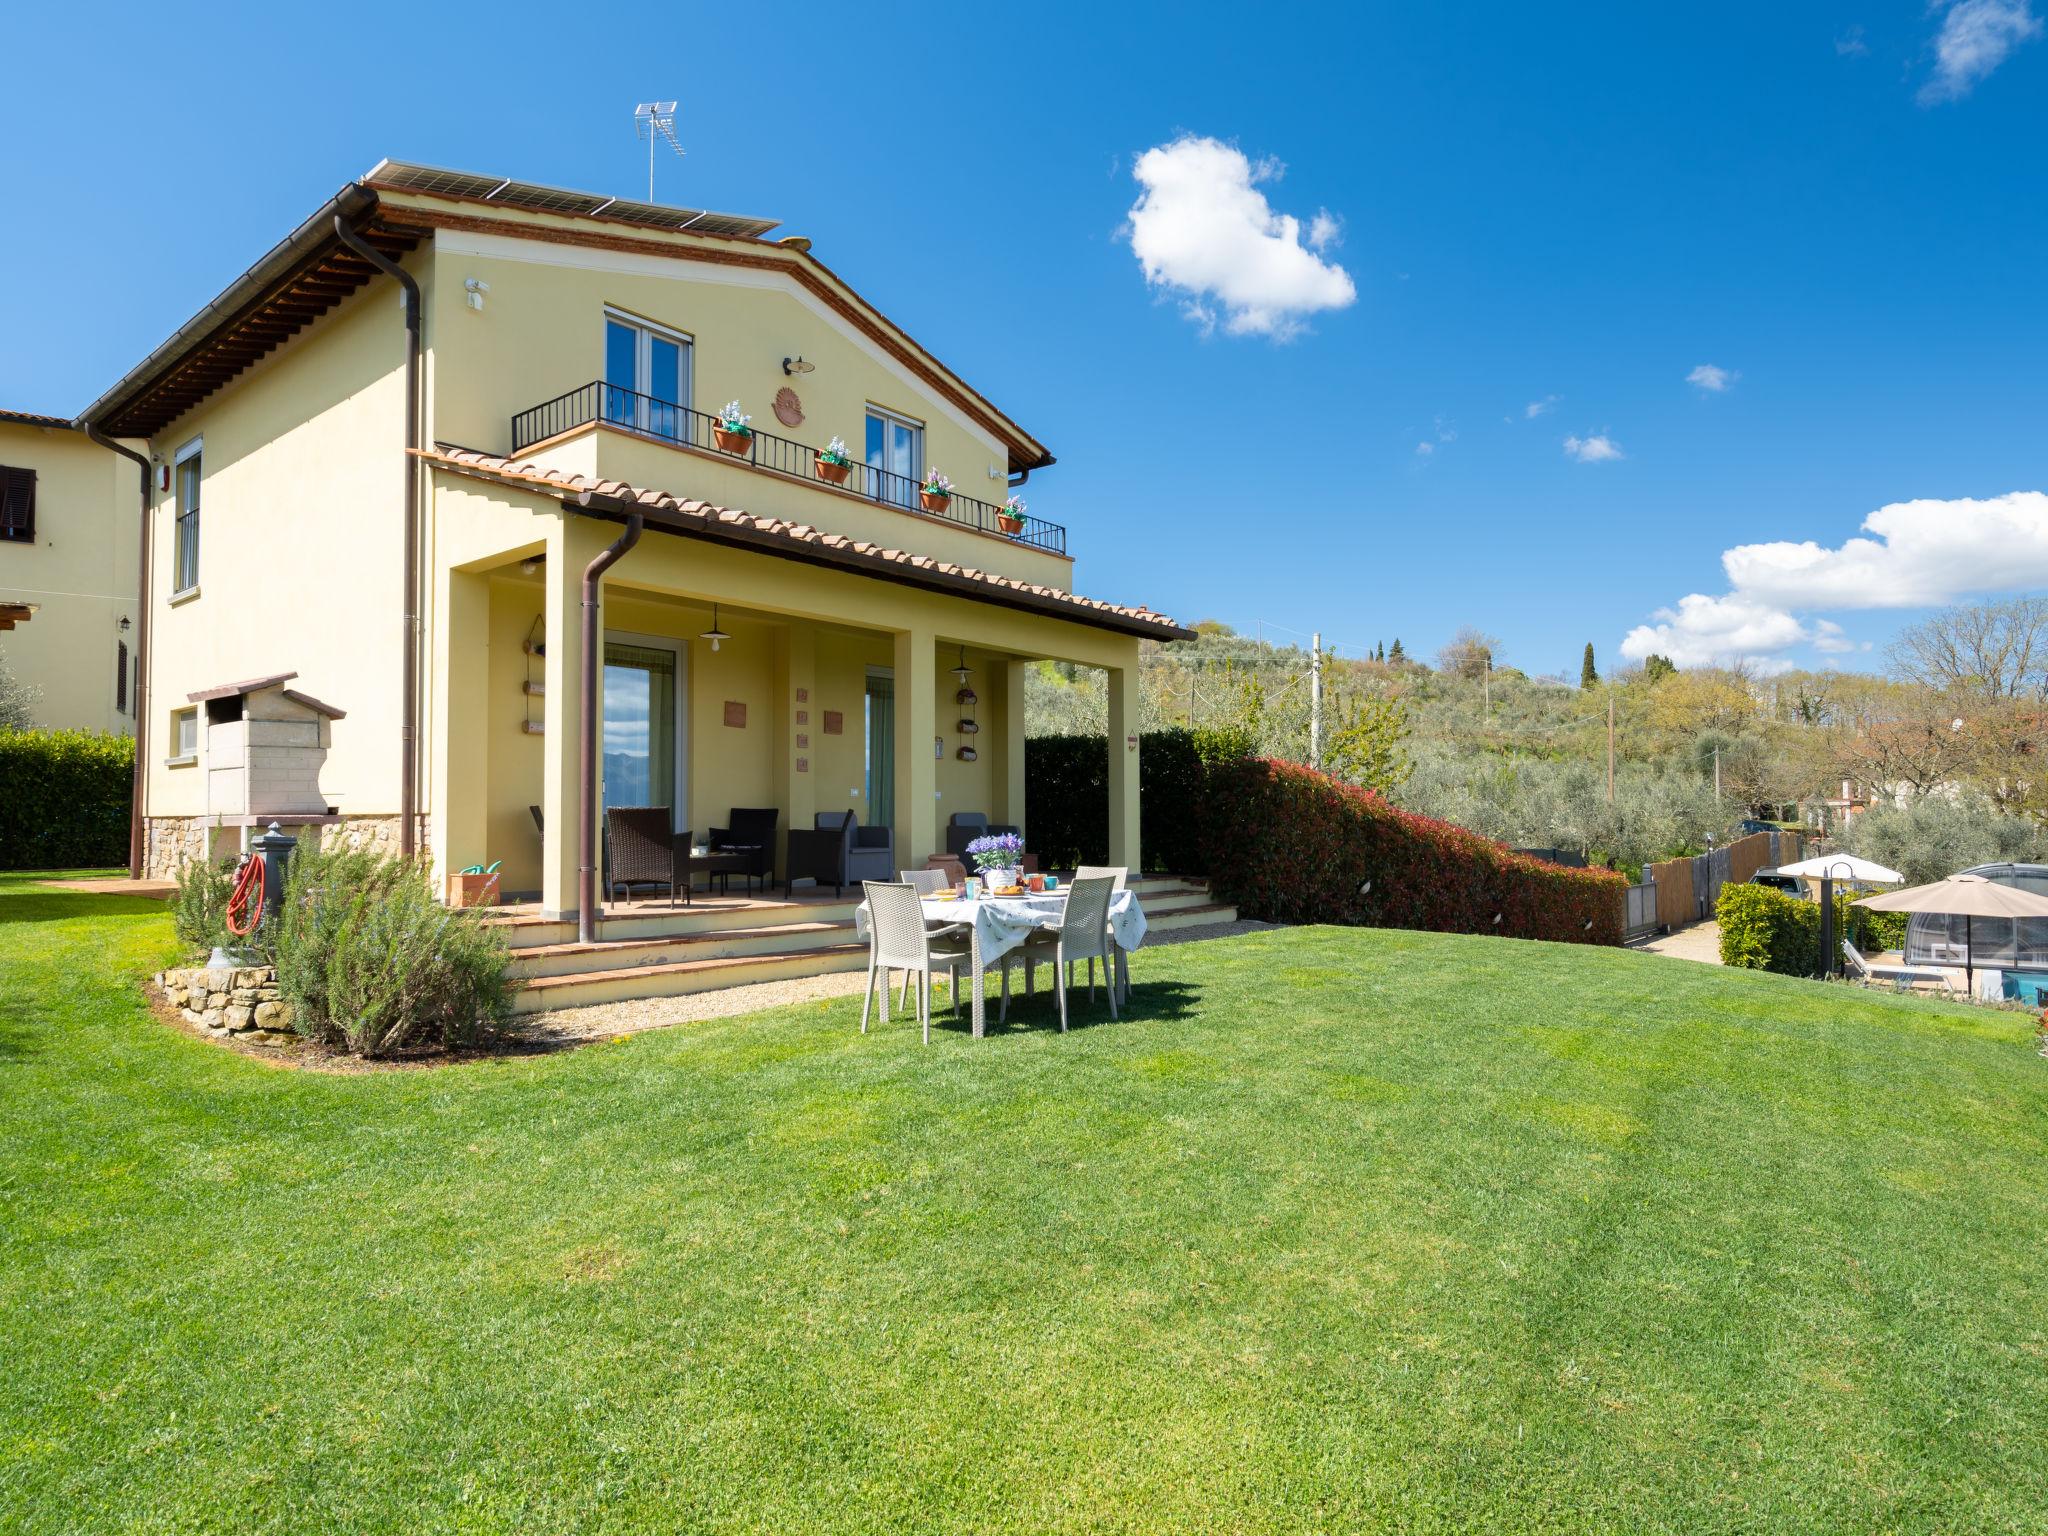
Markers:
{"x": 646, "y": 374}
{"x": 185, "y": 546}
{"x": 895, "y": 457}
{"x": 17, "y": 504}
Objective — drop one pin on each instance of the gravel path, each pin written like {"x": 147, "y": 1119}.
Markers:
{"x": 604, "y": 1020}
{"x": 1698, "y": 941}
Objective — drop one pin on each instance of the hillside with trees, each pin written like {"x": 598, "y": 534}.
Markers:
{"x": 1943, "y": 744}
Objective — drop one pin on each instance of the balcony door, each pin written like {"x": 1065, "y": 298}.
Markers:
{"x": 646, "y": 375}
{"x": 895, "y": 457}
{"x": 646, "y": 745}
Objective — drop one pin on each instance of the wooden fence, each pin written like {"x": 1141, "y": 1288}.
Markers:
{"x": 1686, "y": 889}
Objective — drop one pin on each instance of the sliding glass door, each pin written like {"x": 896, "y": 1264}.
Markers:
{"x": 643, "y": 738}
{"x": 880, "y": 711}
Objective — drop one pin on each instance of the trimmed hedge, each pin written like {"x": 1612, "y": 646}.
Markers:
{"x": 64, "y": 799}
{"x": 1066, "y": 797}
{"x": 1291, "y": 845}
{"x": 1766, "y": 930}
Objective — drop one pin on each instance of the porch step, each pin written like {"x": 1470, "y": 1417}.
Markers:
{"x": 678, "y": 977}
{"x": 1190, "y": 917}
{"x": 608, "y": 954}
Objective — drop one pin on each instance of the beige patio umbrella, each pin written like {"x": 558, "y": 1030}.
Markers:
{"x": 1967, "y": 897}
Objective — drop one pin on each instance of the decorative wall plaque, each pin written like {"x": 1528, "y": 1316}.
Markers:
{"x": 803, "y": 717}
{"x": 802, "y": 740}
{"x": 788, "y": 409}
{"x": 835, "y": 723}
{"x": 803, "y": 695}
{"x": 736, "y": 713}
{"x": 803, "y": 765}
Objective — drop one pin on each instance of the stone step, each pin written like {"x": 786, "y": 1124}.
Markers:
{"x": 571, "y": 958}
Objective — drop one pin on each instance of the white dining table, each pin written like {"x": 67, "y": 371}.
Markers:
{"x": 999, "y": 924}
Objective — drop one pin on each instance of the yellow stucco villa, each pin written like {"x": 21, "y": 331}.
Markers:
{"x": 445, "y": 479}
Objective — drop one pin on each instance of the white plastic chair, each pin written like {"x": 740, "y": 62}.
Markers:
{"x": 899, "y": 940}
{"x": 926, "y": 882}
{"x": 1083, "y": 934}
{"x": 1120, "y": 875}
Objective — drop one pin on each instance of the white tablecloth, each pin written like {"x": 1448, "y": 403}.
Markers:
{"x": 1001, "y": 923}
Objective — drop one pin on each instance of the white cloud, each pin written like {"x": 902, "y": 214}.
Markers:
{"x": 1924, "y": 553}
{"x": 1425, "y": 448}
{"x": 1537, "y": 408}
{"x": 1918, "y": 554}
{"x": 1975, "y": 38}
{"x": 1597, "y": 449}
{"x": 1850, "y": 44}
{"x": 1202, "y": 229}
{"x": 1714, "y": 380}
{"x": 1707, "y": 631}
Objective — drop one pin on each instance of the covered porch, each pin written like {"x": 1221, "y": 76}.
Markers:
{"x": 734, "y": 667}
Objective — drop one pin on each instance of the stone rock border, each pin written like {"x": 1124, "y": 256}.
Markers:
{"x": 242, "y": 1001}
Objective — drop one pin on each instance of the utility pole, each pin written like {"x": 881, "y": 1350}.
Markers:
{"x": 1315, "y": 700}
{"x": 1486, "y": 685}
{"x": 1610, "y": 748}
{"x": 1717, "y": 772}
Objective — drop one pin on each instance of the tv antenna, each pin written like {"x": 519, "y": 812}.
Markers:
{"x": 655, "y": 122}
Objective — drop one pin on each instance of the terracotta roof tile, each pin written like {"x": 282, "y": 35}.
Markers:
{"x": 804, "y": 541}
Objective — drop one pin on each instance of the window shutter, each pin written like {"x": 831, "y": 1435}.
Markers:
{"x": 17, "y": 504}
{"x": 120, "y": 677}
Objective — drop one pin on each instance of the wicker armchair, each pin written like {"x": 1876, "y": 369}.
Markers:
{"x": 752, "y": 831}
{"x": 643, "y": 847}
{"x": 965, "y": 827}
{"x": 838, "y": 851}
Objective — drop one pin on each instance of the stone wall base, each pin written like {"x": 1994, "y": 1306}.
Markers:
{"x": 239, "y": 1000}
{"x": 169, "y": 842}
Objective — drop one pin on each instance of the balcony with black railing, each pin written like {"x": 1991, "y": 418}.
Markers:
{"x": 662, "y": 421}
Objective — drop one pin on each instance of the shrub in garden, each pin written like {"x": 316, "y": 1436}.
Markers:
{"x": 65, "y": 803}
{"x": 1766, "y": 930}
{"x": 199, "y": 911}
{"x": 372, "y": 963}
{"x": 1288, "y": 844}
{"x": 1066, "y": 809}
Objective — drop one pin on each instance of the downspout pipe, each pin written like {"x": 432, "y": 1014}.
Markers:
{"x": 587, "y": 913}
{"x": 94, "y": 434}
{"x": 409, "y": 684}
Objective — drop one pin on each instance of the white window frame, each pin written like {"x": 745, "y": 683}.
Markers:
{"x": 179, "y": 757}
{"x": 192, "y": 450}
{"x": 643, "y": 366}
{"x": 879, "y": 491}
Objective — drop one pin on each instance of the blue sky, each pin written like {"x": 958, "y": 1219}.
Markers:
{"x": 1840, "y": 205}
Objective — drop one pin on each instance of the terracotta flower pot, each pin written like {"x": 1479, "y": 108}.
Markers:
{"x": 935, "y": 501}
{"x": 834, "y": 474}
{"x": 732, "y": 442}
{"x": 1009, "y": 522}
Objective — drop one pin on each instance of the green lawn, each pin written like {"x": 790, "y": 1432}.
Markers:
{"x": 1341, "y": 1230}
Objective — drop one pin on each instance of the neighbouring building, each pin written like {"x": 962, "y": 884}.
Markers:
{"x": 68, "y": 598}
{"x": 400, "y": 604}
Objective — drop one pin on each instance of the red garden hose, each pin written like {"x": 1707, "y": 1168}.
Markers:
{"x": 245, "y": 906}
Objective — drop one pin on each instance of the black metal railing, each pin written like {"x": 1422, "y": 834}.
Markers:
{"x": 668, "y": 423}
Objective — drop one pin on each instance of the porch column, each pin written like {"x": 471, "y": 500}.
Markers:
{"x": 1008, "y": 765}
{"x": 458, "y": 724}
{"x": 1123, "y": 764}
{"x": 796, "y": 724}
{"x": 917, "y": 779}
{"x": 572, "y": 544}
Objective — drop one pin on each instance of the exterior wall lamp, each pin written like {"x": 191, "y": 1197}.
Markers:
{"x": 796, "y": 365}
{"x": 714, "y": 634}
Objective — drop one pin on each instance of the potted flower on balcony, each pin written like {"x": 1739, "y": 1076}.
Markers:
{"x": 936, "y": 493}
{"x": 1011, "y": 518}
{"x": 833, "y": 464}
{"x": 998, "y": 857}
{"x": 731, "y": 431}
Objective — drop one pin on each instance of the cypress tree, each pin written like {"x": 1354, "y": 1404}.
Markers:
{"x": 1589, "y": 677}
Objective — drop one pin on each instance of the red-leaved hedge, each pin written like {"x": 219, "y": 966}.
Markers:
{"x": 1291, "y": 845}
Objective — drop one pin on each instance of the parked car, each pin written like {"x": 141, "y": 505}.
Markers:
{"x": 1791, "y": 885}
{"x": 1998, "y": 943}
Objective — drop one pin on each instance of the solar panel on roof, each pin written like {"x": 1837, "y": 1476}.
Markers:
{"x": 542, "y": 199}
